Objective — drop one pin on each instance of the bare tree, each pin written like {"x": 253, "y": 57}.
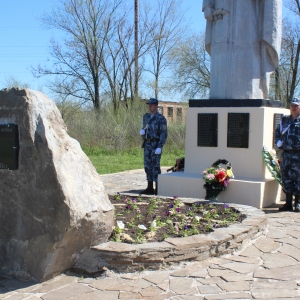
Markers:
{"x": 169, "y": 30}
{"x": 191, "y": 74}
{"x": 294, "y": 6}
{"x": 287, "y": 78}
{"x": 11, "y": 82}
{"x": 119, "y": 62}
{"x": 86, "y": 24}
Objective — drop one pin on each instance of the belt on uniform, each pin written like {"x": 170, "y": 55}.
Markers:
{"x": 292, "y": 151}
{"x": 151, "y": 140}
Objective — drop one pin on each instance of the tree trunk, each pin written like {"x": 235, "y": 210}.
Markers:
{"x": 277, "y": 85}
{"x": 136, "y": 48}
{"x": 295, "y": 71}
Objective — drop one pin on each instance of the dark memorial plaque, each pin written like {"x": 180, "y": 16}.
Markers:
{"x": 208, "y": 130}
{"x": 9, "y": 146}
{"x": 277, "y": 119}
{"x": 238, "y": 130}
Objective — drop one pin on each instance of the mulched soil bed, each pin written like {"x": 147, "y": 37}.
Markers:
{"x": 142, "y": 219}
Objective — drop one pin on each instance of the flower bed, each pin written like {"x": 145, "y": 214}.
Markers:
{"x": 139, "y": 220}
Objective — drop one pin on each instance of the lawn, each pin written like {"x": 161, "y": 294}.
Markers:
{"x": 107, "y": 162}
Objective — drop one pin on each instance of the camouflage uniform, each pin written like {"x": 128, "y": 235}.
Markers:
{"x": 288, "y": 131}
{"x": 155, "y": 137}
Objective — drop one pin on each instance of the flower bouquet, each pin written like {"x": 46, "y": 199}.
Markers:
{"x": 216, "y": 178}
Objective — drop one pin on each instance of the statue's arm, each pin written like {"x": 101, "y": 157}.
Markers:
{"x": 207, "y": 8}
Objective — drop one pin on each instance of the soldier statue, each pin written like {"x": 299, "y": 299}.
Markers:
{"x": 243, "y": 38}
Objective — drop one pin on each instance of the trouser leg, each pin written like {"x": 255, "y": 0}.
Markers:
{"x": 290, "y": 173}
{"x": 152, "y": 162}
{"x": 297, "y": 203}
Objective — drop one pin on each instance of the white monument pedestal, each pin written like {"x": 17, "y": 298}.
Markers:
{"x": 253, "y": 184}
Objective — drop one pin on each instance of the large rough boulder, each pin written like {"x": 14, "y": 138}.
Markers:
{"x": 54, "y": 205}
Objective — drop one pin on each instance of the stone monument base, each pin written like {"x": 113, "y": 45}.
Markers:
{"x": 236, "y": 131}
{"x": 242, "y": 191}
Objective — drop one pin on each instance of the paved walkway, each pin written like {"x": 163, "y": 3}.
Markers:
{"x": 268, "y": 268}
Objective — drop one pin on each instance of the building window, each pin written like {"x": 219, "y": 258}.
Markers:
{"x": 161, "y": 110}
{"x": 170, "y": 112}
{"x": 179, "y": 113}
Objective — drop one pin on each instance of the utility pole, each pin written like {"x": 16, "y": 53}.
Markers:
{"x": 136, "y": 48}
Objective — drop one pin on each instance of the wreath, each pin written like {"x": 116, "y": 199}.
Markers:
{"x": 272, "y": 164}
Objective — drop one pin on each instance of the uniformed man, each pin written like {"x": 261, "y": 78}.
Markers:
{"x": 287, "y": 137}
{"x": 154, "y": 133}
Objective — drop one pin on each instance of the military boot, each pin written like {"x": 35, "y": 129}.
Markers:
{"x": 297, "y": 203}
{"x": 149, "y": 190}
{"x": 288, "y": 206}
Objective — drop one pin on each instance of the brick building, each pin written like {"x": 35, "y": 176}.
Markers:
{"x": 173, "y": 111}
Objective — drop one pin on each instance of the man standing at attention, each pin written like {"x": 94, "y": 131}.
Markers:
{"x": 287, "y": 137}
{"x": 154, "y": 133}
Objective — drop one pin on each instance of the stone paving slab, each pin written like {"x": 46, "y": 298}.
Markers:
{"x": 272, "y": 293}
{"x": 287, "y": 273}
{"x": 234, "y": 286}
{"x": 71, "y": 290}
{"x": 291, "y": 251}
{"x": 278, "y": 260}
{"x": 243, "y": 268}
{"x": 231, "y": 295}
{"x": 97, "y": 295}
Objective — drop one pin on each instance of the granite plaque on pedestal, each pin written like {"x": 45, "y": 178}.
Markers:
{"x": 277, "y": 119}
{"x": 9, "y": 146}
{"x": 207, "y": 130}
{"x": 238, "y": 130}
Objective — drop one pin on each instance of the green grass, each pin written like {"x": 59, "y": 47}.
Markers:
{"x": 107, "y": 162}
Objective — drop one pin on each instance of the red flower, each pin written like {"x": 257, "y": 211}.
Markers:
{"x": 221, "y": 175}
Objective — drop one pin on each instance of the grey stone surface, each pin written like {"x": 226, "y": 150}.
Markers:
{"x": 286, "y": 273}
{"x": 209, "y": 289}
{"x": 268, "y": 293}
{"x": 243, "y": 268}
{"x": 291, "y": 251}
{"x": 59, "y": 281}
{"x": 158, "y": 278}
{"x": 180, "y": 285}
{"x": 67, "y": 292}
{"x": 97, "y": 295}
{"x": 277, "y": 260}
{"x": 210, "y": 280}
{"x": 234, "y": 286}
{"x": 237, "y": 277}
{"x": 291, "y": 285}
{"x": 267, "y": 247}
{"x": 251, "y": 251}
{"x": 55, "y": 204}
{"x": 249, "y": 260}
{"x": 230, "y": 295}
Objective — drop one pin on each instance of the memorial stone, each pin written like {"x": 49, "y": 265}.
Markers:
{"x": 53, "y": 205}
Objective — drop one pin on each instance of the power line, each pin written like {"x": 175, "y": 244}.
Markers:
{"x": 23, "y": 46}
{"x": 21, "y": 28}
{"x": 21, "y": 61}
